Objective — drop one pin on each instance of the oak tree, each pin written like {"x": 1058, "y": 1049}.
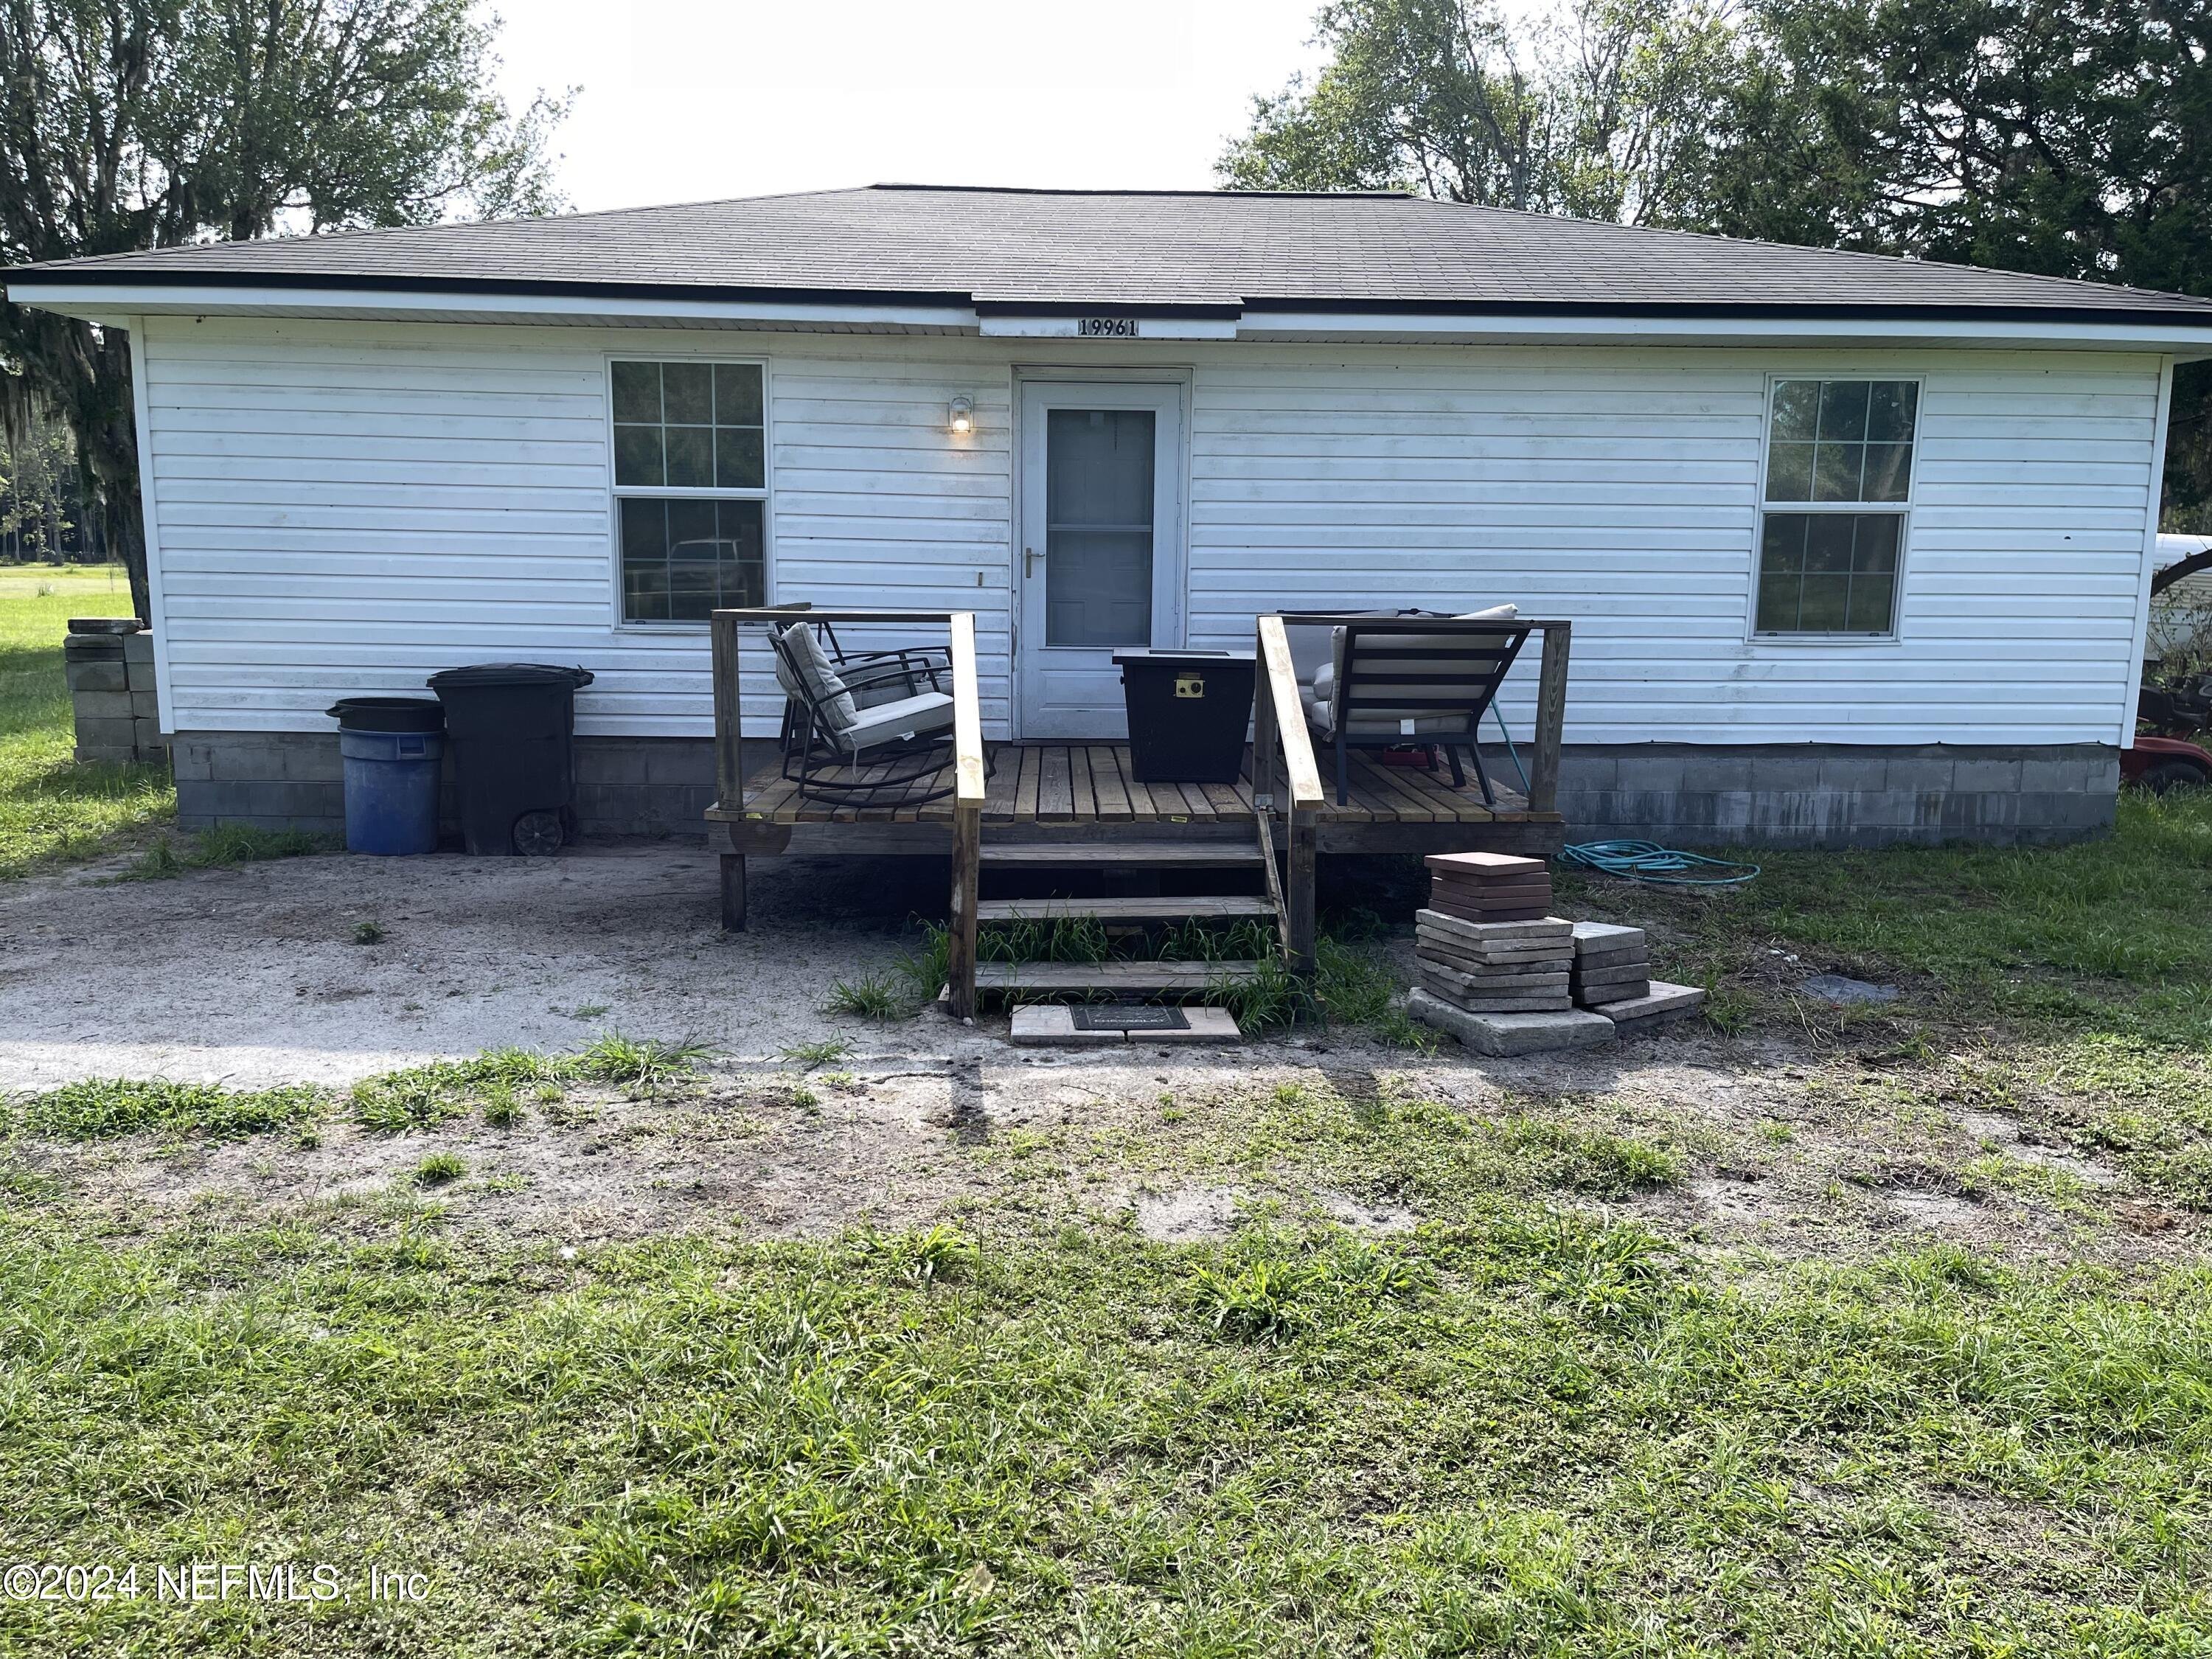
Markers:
{"x": 128, "y": 124}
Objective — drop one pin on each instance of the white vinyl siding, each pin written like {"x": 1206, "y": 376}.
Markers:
{"x": 346, "y": 507}
{"x": 1620, "y": 489}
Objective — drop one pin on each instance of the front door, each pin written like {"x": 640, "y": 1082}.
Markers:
{"x": 1101, "y": 554}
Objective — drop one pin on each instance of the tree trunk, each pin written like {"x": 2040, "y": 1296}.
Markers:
{"x": 122, "y": 527}
{"x": 107, "y": 454}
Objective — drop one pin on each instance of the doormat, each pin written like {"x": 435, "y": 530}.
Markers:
{"x": 1127, "y": 1017}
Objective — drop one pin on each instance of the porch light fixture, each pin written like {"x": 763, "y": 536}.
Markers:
{"x": 960, "y": 418}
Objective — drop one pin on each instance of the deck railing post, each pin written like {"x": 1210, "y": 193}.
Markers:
{"x": 1263, "y": 736}
{"x": 1279, "y": 676}
{"x": 729, "y": 758}
{"x": 967, "y": 818}
{"x": 729, "y": 739}
{"x": 1550, "y": 719}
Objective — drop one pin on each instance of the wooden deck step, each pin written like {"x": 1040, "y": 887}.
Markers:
{"x": 1207, "y": 908}
{"x": 1114, "y": 978}
{"x": 1152, "y": 854}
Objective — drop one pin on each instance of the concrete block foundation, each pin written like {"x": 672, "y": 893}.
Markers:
{"x": 1802, "y": 795}
{"x": 295, "y": 780}
{"x": 1833, "y": 795}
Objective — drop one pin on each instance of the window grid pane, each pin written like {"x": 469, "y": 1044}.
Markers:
{"x": 1841, "y": 441}
{"x": 683, "y": 558}
{"x": 1828, "y": 573}
{"x": 688, "y": 426}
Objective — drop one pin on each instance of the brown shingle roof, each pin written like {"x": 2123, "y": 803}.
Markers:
{"x": 1218, "y": 252}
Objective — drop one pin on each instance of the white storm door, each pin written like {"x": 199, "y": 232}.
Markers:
{"x": 1100, "y": 558}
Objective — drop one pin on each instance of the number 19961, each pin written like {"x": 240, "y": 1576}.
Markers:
{"x": 1106, "y": 328}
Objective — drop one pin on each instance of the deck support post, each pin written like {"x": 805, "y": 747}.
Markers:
{"x": 729, "y": 741}
{"x": 733, "y": 892}
{"x": 960, "y": 955}
{"x": 1299, "y": 895}
{"x": 1550, "y": 719}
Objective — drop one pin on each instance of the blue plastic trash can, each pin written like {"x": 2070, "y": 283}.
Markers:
{"x": 393, "y": 748}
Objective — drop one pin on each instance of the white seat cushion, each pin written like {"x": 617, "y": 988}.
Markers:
{"x": 821, "y": 675}
{"x": 932, "y": 711}
{"x": 1320, "y": 696}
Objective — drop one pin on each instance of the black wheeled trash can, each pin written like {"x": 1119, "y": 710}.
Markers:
{"x": 1188, "y": 712}
{"x": 512, "y": 727}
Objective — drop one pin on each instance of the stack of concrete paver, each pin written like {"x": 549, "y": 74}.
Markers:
{"x": 1612, "y": 976}
{"x": 1489, "y": 887}
{"x": 1612, "y": 964}
{"x": 1520, "y": 967}
{"x": 1503, "y": 975}
{"x": 1487, "y": 942}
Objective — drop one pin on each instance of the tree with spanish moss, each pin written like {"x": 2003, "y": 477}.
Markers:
{"x": 129, "y": 124}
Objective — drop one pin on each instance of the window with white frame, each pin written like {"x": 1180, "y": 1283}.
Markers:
{"x": 1838, "y": 484}
{"x": 691, "y": 495}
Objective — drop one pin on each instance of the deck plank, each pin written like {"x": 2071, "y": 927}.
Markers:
{"x": 1195, "y": 805}
{"x": 1056, "y": 790}
{"x": 1111, "y": 792}
{"x": 1141, "y": 803}
{"x": 1389, "y": 796}
{"x": 1230, "y": 800}
{"x": 1025, "y": 791}
{"x": 1464, "y": 805}
{"x": 998, "y": 789}
{"x": 1078, "y": 775}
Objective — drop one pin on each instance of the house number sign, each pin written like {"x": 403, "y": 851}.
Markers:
{"x": 1106, "y": 328}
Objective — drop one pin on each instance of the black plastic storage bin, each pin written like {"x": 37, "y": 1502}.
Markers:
{"x": 1188, "y": 712}
{"x": 512, "y": 726}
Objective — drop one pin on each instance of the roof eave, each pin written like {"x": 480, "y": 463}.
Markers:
{"x": 105, "y": 294}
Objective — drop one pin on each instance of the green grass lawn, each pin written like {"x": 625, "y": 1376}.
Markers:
{"x": 51, "y": 809}
{"x": 1512, "y": 1433}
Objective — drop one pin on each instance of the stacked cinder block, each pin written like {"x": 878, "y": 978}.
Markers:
{"x": 1486, "y": 944}
{"x": 110, "y": 665}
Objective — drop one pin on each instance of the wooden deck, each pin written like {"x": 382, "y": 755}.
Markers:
{"x": 1074, "y": 808}
{"x": 1092, "y": 785}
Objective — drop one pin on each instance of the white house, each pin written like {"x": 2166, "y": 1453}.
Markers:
{"x": 1855, "y": 548}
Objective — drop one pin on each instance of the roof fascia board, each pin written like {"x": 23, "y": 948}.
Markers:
{"x": 112, "y": 301}
{"x": 2117, "y": 334}
{"x": 1045, "y": 327}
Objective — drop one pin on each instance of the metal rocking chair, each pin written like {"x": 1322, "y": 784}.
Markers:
{"x": 859, "y": 712}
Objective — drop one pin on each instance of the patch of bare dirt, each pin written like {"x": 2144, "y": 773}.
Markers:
{"x": 250, "y": 977}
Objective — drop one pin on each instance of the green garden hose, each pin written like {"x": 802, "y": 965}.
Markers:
{"x": 1647, "y": 861}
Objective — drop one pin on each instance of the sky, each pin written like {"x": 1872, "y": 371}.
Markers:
{"x": 694, "y": 101}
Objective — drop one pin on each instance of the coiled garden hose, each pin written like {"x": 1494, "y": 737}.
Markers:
{"x": 1648, "y": 861}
